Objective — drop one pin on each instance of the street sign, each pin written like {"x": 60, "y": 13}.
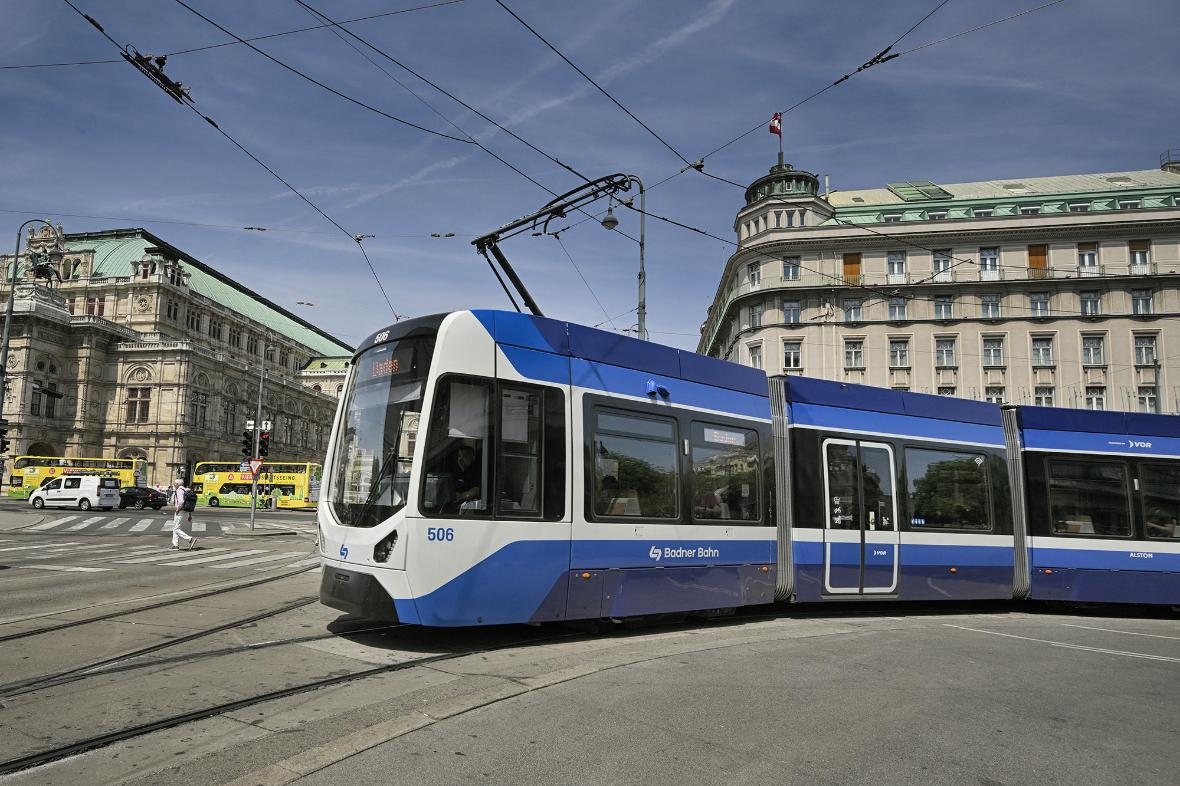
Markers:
{"x": 266, "y": 425}
{"x": 244, "y": 467}
{"x": 249, "y": 425}
{"x": 255, "y": 466}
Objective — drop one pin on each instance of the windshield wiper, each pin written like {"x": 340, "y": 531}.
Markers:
{"x": 375, "y": 493}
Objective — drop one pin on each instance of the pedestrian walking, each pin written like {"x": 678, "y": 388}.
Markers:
{"x": 184, "y": 501}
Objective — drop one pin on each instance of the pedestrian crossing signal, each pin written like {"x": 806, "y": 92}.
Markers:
{"x": 264, "y": 443}
{"x": 247, "y": 443}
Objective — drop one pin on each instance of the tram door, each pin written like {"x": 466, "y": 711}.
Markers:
{"x": 861, "y": 538}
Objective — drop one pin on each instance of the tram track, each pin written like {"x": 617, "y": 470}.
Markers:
{"x": 148, "y": 607}
{"x": 98, "y": 741}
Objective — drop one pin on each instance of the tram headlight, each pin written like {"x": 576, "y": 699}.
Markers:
{"x": 384, "y": 547}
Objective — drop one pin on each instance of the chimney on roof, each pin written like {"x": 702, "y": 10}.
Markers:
{"x": 1170, "y": 160}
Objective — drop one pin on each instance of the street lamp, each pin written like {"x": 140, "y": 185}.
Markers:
{"x": 54, "y": 256}
{"x": 610, "y": 221}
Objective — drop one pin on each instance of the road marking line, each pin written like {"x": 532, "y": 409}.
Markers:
{"x": 156, "y": 557}
{"x": 216, "y": 558}
{"x": 39, "y": 546}
{"x": 141, "y": 525}
{"x": 257, "y": 560}
{"x": 85, "y": 523}
{"x": 136, "y": 551}
{"x": 54, "y": 523}
{"x": 64, "y": 568}
{"x": 1064, "y": 645}
{"x": 1126, "y": 632}
{"x": 114, "y": 523}
{"x": 198, "y": 526}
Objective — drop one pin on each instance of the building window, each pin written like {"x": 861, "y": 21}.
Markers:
{"x": 35, "y": 399}
{"x": 1093, "y": 350}
{"x": 193, "y": 320}
{"x": 755, "y": 355}
{"x": 235, "y": 337}
{"x": 946, "y": 390}
{"x": 989, "y": 260}
{"x": 285, "y": 356}
{"x": 943, "y": 308}
{"x": 792, "y": 354}
{"x": 756, "y": 315}
{"x": 1043, "y": 396}
{"x": 899, "y": 353}
{"x": 1140, "y": 255}
{"x": 96, "y": 306}
{"x": 172, "y": 310}
{"x": 139, "y": 402}
{"x": 778, "y": 219}
{"x": 754, "y": 273}
{"x": 1130, "y": 204}
{"x": 852, "y": 310}
{"x": 70, "y": 304}
{"x": 993, "y": 352}
{"x": 1030, "y": 210}
{"x": 1095, "y": 397}
{"x": 1145, "y": 350}
{"x": 891, "y": 218}
{"x": 994, "y": 395}
{"x": 252, "y": 345}
{"x": 937, "y": 215}
{"x": 1091, "y": 304}
{"x": 1042, "y": 351}
{"x": 1079, "y": 207}
{"x": 791, "y": 312}
{"x": 854, "y": 353}
{"x": 229, "y": 416}
{"x": 198, "y": 410}
{"x": 1148, "y": 398}
{"x": 1038, "y": 304}
{"x": 944, "y": 353}
{"x": 942, "y": 265}
{"x": 989, "y": 306}
{"x": 895, "y": 266}
{"x": 1141, "y": 301}
{"x": 215, "y": 329}
{"x": 1087, "y": 259}
{"x": 791, "y": 268}
{"x": 982, "y": 212}
{"x": 897, "y": 306}
{"x": 289, "y": 429}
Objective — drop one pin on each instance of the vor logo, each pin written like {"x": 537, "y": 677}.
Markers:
{"x": 654, "y": 553}
{"x": 343, "y": 552}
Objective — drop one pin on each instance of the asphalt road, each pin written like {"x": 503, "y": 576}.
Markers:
{"x": 988, "y": 695}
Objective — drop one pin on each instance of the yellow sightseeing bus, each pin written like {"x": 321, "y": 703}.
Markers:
{"x": 29, "y": 473}
{"x": 283, "y": 484}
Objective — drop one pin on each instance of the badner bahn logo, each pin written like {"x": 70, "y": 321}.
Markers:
{"x": 654, "y": 553}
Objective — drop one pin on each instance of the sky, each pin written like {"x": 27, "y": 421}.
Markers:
{"x": 1080, "y": 86}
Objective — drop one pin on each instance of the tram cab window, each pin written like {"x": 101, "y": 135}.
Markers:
{"x": 947, "y": 489}
{"x": 636, "y": 467}
{"x": 530, "y": 472}
{"x": 458, "y": 460}
{"x": 1160, "y": 487}
{"x": 1089, "y": 498}
{"x": 725, "y": 470}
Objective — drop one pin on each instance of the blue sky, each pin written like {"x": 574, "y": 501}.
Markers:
{"x": 1083, "y": 86}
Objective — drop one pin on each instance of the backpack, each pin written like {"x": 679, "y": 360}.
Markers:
{"x": 190, "y": 501}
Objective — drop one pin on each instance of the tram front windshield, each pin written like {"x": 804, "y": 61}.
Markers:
{"x": 375, "y": 446}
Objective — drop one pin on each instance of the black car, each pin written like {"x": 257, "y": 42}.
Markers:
{"x": 140, "y": 497}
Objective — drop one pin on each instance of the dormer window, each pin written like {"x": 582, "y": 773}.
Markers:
{"x": 937, "y": 215}
{"x": 982, "y": 212}
{"x": 891, "y": 218}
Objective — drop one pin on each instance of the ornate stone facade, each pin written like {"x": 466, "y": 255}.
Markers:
{"x": 142, "y": 351}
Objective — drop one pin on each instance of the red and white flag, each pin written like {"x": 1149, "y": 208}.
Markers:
{"x": 776, "y": 124}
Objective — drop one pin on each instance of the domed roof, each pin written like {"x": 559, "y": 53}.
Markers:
{"x": 783, "y": 179}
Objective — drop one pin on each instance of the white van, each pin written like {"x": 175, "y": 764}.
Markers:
{"x": 78, "y": 491}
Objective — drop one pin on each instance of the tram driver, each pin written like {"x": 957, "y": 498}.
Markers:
{"x": 467, "y": 478}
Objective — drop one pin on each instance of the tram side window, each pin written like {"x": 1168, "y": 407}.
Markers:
{"x": 455, "y": 480}
{"x": 1160, "y": 486}
{"x": 947, "y": 489}
{"x": 530, "y": 474}
{"x": 636, "y": 467}
{"x": 725, "y": 470}
{"x": 1089, "y": 498}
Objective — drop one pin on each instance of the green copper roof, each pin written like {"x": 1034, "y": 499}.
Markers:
{"x": 117, "y": 253}
{"x": 328, "y": 364}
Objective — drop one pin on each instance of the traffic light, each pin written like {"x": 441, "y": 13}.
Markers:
{"x": 248, "y": 444}
{"x": 263, "y": 443}
{"x": 4, "y": 443}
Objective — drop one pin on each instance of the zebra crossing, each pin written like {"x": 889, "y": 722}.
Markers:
{"x": 79, "y": 556}
{"x": 108, "y": 525}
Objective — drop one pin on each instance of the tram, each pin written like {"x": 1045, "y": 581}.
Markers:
{"x": 492, "y": 467}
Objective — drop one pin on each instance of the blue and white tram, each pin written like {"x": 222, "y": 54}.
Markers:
{"x": 490, "y": 467}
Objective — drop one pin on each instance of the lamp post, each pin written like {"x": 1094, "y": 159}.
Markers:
{"x": 609, "y": 221}
{"x": 257, "y": 431}
{"x": 12, "y": 301}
